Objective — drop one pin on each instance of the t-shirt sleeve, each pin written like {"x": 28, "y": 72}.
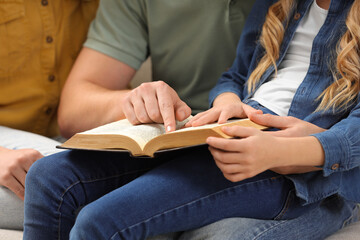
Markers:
{"x": 120, "y": 31}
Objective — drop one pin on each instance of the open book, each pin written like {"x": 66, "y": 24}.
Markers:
{"x": 146, "y": 139}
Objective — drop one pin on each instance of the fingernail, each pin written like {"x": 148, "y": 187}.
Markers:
{"x": 168, "y": 128}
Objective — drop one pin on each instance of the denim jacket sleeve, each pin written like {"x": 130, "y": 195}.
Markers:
{"x": 234, "y": 80}
{"x": 341, "y": 143}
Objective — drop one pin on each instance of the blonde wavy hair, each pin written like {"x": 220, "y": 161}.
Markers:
{"x": 346, "y": 86}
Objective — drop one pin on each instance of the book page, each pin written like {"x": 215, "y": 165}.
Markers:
{"x": 140, "y": 133}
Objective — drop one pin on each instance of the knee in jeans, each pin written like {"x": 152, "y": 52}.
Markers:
{"x": 36, "y": 174}
{"x": 43, "y": 174}
{"x": 88, "y": 223}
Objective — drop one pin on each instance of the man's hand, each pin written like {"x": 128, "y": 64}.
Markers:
{"x": 14, "y": 165}
{"x": 155, "y": 102}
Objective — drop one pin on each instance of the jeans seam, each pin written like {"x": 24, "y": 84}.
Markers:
{"x": 279, "y": 222}
{"x": 350, "y": 219}
{"x": 286, "y": 207}
{"x": 186, "y": 204}
{"x": 88, "y": 181}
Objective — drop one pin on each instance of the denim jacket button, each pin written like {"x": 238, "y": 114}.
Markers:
{"x": 335, "y": 166}
{"x": 297, "y": 16}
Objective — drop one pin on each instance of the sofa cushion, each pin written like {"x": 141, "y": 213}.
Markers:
{"x": 10, "y": 235}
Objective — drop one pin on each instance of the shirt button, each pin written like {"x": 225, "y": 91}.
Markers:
{"x": 335, "y": 166}
{"x": 44, "y": 2}
{"x": 297, "y": 16}
{"x": 49, "y": 39}
{"x": 51, "y": 78}
{"x": 48, "y": 110}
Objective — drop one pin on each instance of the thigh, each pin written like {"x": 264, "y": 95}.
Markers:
{"x": 329, "y": 216}
{"x": 11, "y": 210}
{"x": 60, "y": 184}
{"x": 184, "y": 193}
{"x": 17, "y": 139}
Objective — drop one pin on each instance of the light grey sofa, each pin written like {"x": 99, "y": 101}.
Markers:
{"x": 351, "y": 232}
{"x": 10, "y": 234}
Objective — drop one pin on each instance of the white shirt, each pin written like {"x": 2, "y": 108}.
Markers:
{"x": 278, "y": 93}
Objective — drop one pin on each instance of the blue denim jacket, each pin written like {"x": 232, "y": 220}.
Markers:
{"x": 341, "y": 142}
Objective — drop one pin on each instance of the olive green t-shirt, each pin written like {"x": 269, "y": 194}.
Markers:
{"x": 191, "y": 42}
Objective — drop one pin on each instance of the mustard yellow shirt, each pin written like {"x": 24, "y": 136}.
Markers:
{"x": 39, "y": 42}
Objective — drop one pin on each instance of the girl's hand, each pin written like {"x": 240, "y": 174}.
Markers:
{"x": 243, "y": 158}
{"x": 294, "y": 170}
{"x": 226, "y": 106}
{"x": 289, "y": 126}
{"x": 257, "y": 151}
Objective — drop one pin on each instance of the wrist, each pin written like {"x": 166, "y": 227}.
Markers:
{"x": 300, "y": 151}
{"x": 226, "y": 97}
{"x": 116, "y": 105}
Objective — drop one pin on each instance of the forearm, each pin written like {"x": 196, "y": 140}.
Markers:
{"x": 300, "y": 152}
{"x": 87, "y": 106}
{"x": 93, "y": 92}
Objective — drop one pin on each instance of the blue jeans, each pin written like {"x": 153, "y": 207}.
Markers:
{"x": 134, "y": 198}
{"x": 331, "y": 215}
